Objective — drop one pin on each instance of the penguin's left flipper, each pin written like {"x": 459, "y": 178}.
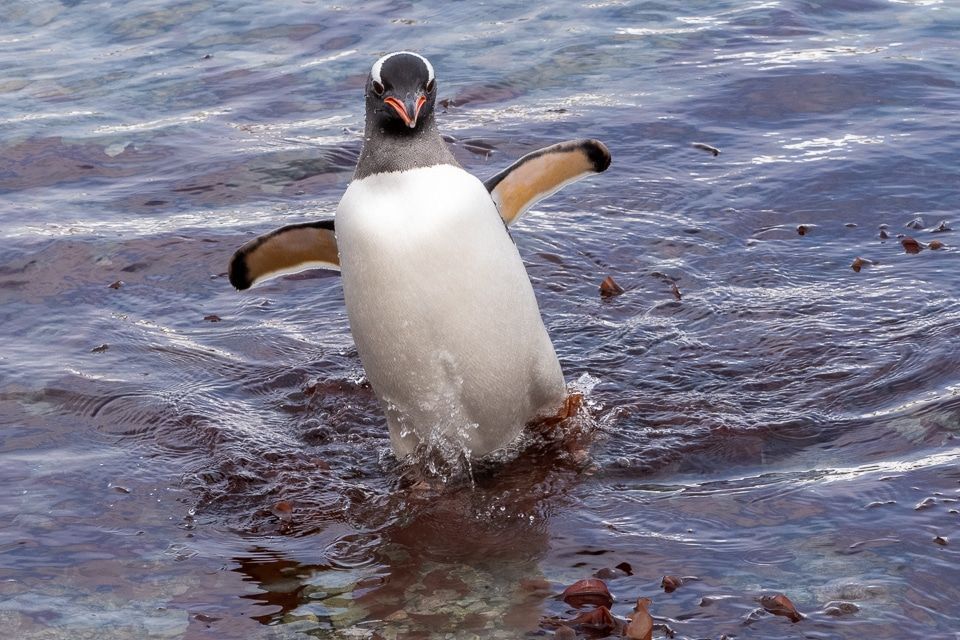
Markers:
{"x": 290, "y": 249}
{"x": 536, "y": 175}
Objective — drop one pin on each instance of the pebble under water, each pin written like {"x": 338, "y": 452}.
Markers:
{"x": 771, "y": 379}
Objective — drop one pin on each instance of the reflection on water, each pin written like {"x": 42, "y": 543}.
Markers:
{"x": 184, "y": 461}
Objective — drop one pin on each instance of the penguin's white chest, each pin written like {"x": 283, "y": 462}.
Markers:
{"x": 442, "y": 311}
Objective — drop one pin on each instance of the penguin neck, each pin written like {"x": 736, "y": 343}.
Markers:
{"x": 386, "y": 149}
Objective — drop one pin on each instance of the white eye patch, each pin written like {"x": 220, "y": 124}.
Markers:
{"x": 375, "y": 70}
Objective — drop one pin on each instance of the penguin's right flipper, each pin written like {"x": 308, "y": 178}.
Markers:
{"x": 290, "y": 249}
{"x": 536, "y": 175}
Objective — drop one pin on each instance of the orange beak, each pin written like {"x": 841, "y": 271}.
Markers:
{"x": 405, "y": 110}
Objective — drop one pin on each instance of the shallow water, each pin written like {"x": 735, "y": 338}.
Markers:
{"x": 787, "y": 425}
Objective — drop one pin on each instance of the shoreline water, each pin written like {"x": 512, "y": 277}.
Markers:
{"x": 787, "y": 425}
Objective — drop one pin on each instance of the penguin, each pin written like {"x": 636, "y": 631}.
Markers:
{"x": 440, "y": 305}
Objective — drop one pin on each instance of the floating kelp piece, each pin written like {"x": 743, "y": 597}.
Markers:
{"x": 910, "y": 245}
{"x": 780, "y": 605}
{"x": 840, "y": 608}
{"x": 283, "y": 510}
{"x": 640, "y": 626}
{"x": 610, "y": 288}
{"x": 590, "y": 591}
{"x": 671, "y": 583}
{"x": 597, "y": 622}
{"x": 707, "y": 148}
{"x": 622, "y": 570}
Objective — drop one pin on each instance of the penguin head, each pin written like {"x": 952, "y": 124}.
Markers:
{"x": 401, "y": 91}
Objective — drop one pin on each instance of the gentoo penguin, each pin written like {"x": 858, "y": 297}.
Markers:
{"x": 440, "y": 305}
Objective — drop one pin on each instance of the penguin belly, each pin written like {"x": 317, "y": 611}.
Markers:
{"x": 442, "y": 312}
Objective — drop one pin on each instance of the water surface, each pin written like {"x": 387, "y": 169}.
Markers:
{"x": 184, "y": 461}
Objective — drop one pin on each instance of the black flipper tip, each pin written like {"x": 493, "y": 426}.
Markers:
{"x": 239, "y": 274}
{"x": 598, "y": 154}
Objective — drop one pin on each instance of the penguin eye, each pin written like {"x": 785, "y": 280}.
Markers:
{"x": 431, "y": 85}
{"x": 377, "y": 88}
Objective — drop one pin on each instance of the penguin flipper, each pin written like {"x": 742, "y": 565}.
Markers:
{"x": 290, "y": 249}
{"x": 540, "y": 173}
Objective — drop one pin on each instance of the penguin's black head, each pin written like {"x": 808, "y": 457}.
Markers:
{"x": 401, "y": 91}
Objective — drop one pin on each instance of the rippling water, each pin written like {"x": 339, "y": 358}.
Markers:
{"x": 181, "y": 460}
